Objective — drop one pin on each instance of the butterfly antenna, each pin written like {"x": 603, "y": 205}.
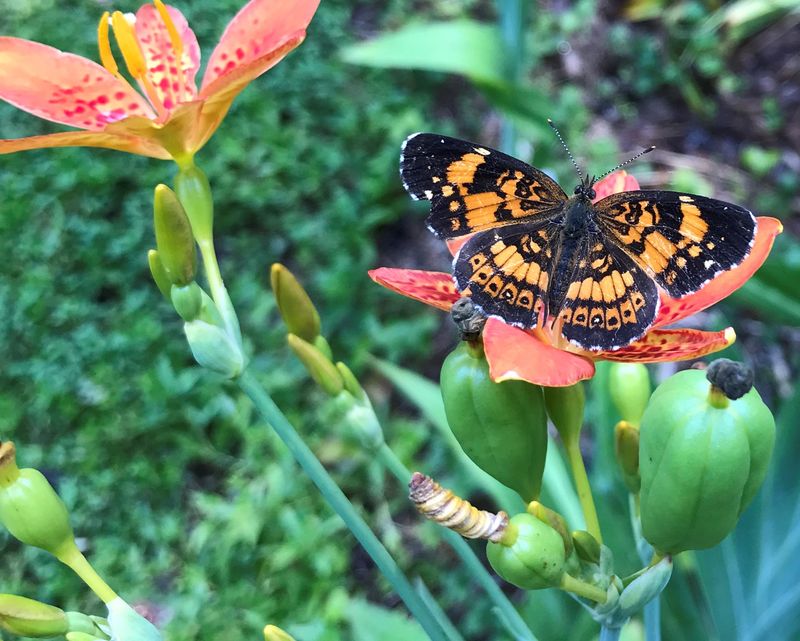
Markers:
{"x": 628, "y": 162}
{"x": 569, "y": 153}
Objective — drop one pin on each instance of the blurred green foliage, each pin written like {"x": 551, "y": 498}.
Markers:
{"x": 185, "y": 500}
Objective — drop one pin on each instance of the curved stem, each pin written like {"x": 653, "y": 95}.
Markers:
{"x": 575, "y": 458}
{"x": 219, "y": 293}
{"x": 74, "y": 559}
{"x": 471, "y": 561}
{"x": 341, "y": 504}
{"x": 582, "y": 588}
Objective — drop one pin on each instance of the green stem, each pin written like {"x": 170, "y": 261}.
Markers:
{"x": 473, "y": 564}
{"x": 74, "y": 559}
{"x": 575, "y": 458}
{"x": 652, "y": 620}
{"x": 218, "y": 290}
{"x": 610, "y": 634}
{"x": 582, "y": 588}
{"x": 340, "y": 503}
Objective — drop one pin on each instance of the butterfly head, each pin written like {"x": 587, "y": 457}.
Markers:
{"x": 585, "y": 191}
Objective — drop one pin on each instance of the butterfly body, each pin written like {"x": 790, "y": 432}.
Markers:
{"x": 536, "y": 257}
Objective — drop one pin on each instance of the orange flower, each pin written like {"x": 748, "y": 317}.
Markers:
{"x": 543, "y": 358}
{"x": 172, "y": 119}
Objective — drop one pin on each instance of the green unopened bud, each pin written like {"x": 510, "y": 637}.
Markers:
{"x": 565, "y": 408}
{"x": 554, "y": 520}
{"x": 83, "y": 636}
{"x": 29, "y": 618}
{"x": 586, "y": 546}
{"x": 324, "y": 372}
{"x": 629, "y": 387}
{"x": 294, "y": 304}
{"x": 644, "y": 588}
{"x": 174, "y": 238}
{"x": 194, "y": 192}
{"x": 273, "y": 633}
{"x": 530, "y": 555}
{"x": 159, "y": 273}
{"x": 30, "y": 508}
{"x": 351, "y": 383}
{"x": 128, "y": 625}
{"x": 626, "y": 446}
{"x": 213, "y": 348}
{"x": 80, "y": 622}
{"x": 360, "y": 415}
{"x": 187, "y": 300}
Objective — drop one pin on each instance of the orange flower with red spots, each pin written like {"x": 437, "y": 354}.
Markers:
{"x": 541, "y": 357}
{"x": 169, "y": 117}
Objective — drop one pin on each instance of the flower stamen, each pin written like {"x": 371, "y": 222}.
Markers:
{"x": 175, "y": 40}
{"x": 104, "y": 44}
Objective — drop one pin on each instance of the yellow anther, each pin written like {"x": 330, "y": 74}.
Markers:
{"x": 172, "y": 30}
{"x": 104, "y": 44}
{"x": 128, "y": 45}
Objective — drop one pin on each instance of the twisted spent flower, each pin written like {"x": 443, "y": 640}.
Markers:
{"x": 170, "y": 118}
{"x": 445, "y": 508}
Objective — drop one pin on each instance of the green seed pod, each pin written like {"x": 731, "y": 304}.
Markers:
{"x": 502, "y": 427}
{"x": 530, "y": 555}
{"x": 554, "y": 520}
{"x": 629, "y": 387}
{"x": 29, "y": 618}
{"x": 30, "y": 508}
{"x": 702, "y": 457}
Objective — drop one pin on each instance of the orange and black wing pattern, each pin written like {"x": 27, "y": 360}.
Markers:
{"x": 681, "y": 240}
{"x": 507, "y": 271}
{"x": 608, "y": 301}
{"x": 473, "y": 188}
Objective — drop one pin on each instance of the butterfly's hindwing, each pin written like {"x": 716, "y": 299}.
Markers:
{"x": 506, "y": 271}
{"x": 473, "y": 188}
{"x": 609, "y": 301}
{"x": 682, "y": 240}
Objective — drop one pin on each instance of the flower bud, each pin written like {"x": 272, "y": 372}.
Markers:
{"x": 554, "y": 520}
{"x": 644, "y": 588}
{"x": 565, "y": 408}
{"x": 502, "y": 427}
{"x": 351, "y": 384}
{"x": 324, "y": 373}
{"x": 176, "y": 247}
{"x": 629, "y": 387}
{"x": 128, "y": 625}
{"x": 273, "y": 633}
{"x": 626, "y": 447}
{"x": 530, "y": 555}
{"x": 194, "y": 192}
{"x": 294, "y": 304}
{"x": 187, "y": 300}
{"x": 29, "y": 618}
{"x": 360, "y": 415}
{"x": 586, "y": 546}
{"x": 159, "y": 273}
{"x": 212, "y": 348}
{"x": 30, "y": 508}
{"x": 702, "y": 458}
{"x": 83, "y": 636}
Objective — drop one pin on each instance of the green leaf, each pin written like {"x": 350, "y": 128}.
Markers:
{"x": 372, "y": 623}
{"x": 465, "y": 47}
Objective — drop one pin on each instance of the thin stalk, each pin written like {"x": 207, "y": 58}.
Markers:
{"x": 219, "y": 292}
{"x": 74, "y": 559}
{"x": 652, "y": 611}
{"x": 610, "y": 634}
{"x": 652, "y": 620}
{"x": 473, "y": 564}
{"x": 575, "y": 458}
{"x": 340, "y": 503}
{"x": 582, "y": 588}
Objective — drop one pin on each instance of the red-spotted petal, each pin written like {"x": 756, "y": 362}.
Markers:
{"x": 174, "y": 83}
{"x": 515, "y": 354}
{"x": 63, "y": 87}
{"x": 614, "y": 183}
{"x": 261, "y": 27}
{"x": 672, "y": 345}
{"x": 432, "y": 288}
{"x": 105, "y": 140}
{"x": 673, "y": 310}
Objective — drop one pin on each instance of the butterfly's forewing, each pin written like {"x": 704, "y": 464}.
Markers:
{"x": 506, "y": 271}
{"x": 610, "y": 302}
{"x": 682, "y": 240}
{"x": 473, "y": 188}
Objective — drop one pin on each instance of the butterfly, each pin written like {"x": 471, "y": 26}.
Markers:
{"x": 536, "y": 256}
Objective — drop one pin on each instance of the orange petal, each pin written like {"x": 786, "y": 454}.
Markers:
{"x": 672, "y": 345}
{"x": 172, "y": 83}
{"x": 260, "y": 27}
{"x": 615, "y": 183}
{"x": 178, "y": 135}
{"x": 432, "y": 288}
{"x": 515, "y": 354}
{"x": 63, "y": 87}
{"x": 673, "y": 310}
{"x": 104, "y": 140}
